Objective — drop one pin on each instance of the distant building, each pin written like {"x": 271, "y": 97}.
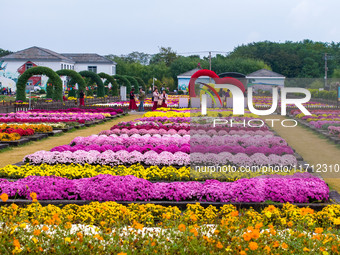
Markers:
{"x": 184, "y": 78}
{"x": 17, "y": 63}
{"x": 265, "y": 79}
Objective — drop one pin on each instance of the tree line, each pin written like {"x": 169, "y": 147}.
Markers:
{"x": 303, "y": 59}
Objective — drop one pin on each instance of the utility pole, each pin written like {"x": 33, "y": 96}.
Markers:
{"x": 326, "y": 69}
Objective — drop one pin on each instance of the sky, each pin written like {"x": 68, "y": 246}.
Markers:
{"x": 187, "y": 26}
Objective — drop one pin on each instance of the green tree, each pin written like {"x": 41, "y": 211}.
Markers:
{"x": 4, "y": 52}
{"x": 166, "y": 55}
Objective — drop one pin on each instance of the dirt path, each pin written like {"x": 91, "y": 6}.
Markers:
{"x": 17, "y": 153}
{"x": 312, "y": 148}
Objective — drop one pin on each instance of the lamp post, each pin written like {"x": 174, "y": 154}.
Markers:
{"x": 153, "y": 83}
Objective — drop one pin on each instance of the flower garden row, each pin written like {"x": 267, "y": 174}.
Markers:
{"x": 266, "y": 102}
{"x": 111, "y": 228}
{"x": 172, "y": 102}
{"x": 150, "y": 160}
{"x": 326, "y": 122}
{"x": 22, "y": 127}
{"x": 164, "y": 156}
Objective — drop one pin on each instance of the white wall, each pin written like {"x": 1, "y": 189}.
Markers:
{"x": 11, "y": 72}
{"x": 13, "y": 66}
{"x": 105, "y": 68}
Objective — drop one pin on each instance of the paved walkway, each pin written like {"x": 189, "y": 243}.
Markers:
{"x": 312, "y": 148}
{"x": 17, "y": 153}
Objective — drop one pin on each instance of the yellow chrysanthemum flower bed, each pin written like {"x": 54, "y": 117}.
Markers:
{"x": 189, "y": 112}
{"x": 168, "y": 114}
{"x": 4, "y": 137}
{"x": 115, "y": 213}
{"x": 43, "y": 128}
{"x": 75, "y": 171}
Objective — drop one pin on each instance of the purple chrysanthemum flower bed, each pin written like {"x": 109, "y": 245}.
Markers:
{"x": 298, "y": 188}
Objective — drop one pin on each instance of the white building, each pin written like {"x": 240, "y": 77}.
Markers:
{"x": 12, "y": 65}
{"x": 265, "y": 79}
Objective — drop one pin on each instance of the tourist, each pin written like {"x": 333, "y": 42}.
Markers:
{"x": 141, "y": 98}
{"x": 81, "y": 98}
{"x": 163, "y": 97}
{"x": 132, "y": 104}
{"x": 155, "y": 97}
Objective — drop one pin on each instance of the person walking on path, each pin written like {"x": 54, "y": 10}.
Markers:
{"x": 141, "y": 98}
{"x": 132, "y": 104}
{"x": 155, "y": 95}
{"x": 164, "y": 97}
{"x": 81, "y": 98}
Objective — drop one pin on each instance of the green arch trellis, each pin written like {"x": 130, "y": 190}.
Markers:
{"x": 75, "y": 76}
{"x": 110, "y": 79}
{"x": 133, "y": 81}
{"x": 122, "y": 81}
{"x": 94, "y": 78}
{"x": 140, "y": 82}
{"x": 40, "y": 70}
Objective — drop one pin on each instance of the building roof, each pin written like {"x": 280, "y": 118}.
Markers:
{"x": 37, "y": 53}
{"x": 189, "y": 73}
{"x": 88, "y": 58}
{"x": 264, "y": 73}
{"x": 232, "y": 74}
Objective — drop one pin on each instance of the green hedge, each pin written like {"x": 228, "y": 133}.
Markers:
{"x": 95, "y": 79}
{"x": 76, "y": 77}
{"x": 109, "y": 79}
{"x": 122, "y": 81}
{"x": 133, "y": 81}
{"x": 140, "y": 82}
{"x": 324, "y": 94}
{"x": 57, "y": 93}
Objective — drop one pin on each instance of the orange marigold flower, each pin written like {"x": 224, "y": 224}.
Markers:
{"x": 68, "y": 225}
{"x": 181, "y": 227}
{"x": 276, "y": 244}
{"x": 255, "y": 234}
{"x": 137, "y": 225}
{"x": 247, "y": 237}
{"x": 16, "y": 243}
{"x": 45, "y": 228}
{"x": 122, "y": 253}
{"x": 36, "y": 232}
{"x": 318, "y": 230}
{"x": 243, "y": 253}
{"x": 194, "y": 231}
{"x": 267, "y": 249}
{"x": 193, "y": 217}
{"x": 253, "y": 246}
{"x": 234, "y": 213}
{"x": 305, "y": 249}
{"x": 4, "y": 197}
{"x": 284, "y": 246}
{"x": 33, "y": 195}
{"x": 219, "y": 245}
{"x": 153, "y": 244}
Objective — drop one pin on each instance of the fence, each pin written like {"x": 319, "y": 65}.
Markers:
{"x": 7, "y": 107}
